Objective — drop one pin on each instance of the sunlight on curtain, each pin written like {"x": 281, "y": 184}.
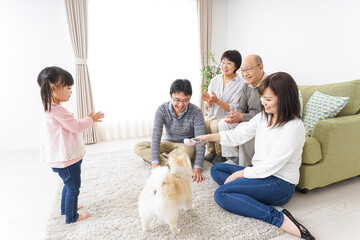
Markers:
{"x": 136, "y": 50}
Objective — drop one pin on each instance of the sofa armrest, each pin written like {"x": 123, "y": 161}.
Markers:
{"x": 339, "y": 138}
{"x": 311, "y": 151}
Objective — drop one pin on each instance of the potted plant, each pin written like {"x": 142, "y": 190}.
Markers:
{"x": 209, "y": 71}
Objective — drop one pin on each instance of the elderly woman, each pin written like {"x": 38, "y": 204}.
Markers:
{"x": 279, "y": 139}
{"x": 223, "y": 96}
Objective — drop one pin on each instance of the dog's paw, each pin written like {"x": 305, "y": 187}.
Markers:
{"x": 189, "y": 207}
{"x": 175, "y": 231}
{"x": 145, "y": 227}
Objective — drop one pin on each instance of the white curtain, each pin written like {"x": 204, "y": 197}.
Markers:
{"x": 204, "y": 8}
{"x": 76, "y": 12}
{"x": 138, "y": 48}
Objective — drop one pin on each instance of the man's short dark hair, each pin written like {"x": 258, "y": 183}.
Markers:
{"x": 181, "y": 85}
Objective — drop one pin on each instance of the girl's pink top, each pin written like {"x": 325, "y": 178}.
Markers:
{"x": 62, "y": 143}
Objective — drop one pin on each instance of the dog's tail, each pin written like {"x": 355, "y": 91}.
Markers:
{"x": 156, "y": 178}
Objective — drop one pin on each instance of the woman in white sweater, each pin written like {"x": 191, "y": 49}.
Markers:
{"x": 279, "y": 139}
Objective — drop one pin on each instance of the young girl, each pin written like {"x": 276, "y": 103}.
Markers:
{"x": 62, "y": 146}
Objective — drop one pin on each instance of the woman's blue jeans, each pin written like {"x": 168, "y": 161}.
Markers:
{"x": 251, "y": 197}
{"x": 70, "y": 193}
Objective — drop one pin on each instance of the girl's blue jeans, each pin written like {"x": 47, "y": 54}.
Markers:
{"x": 251, "y": 197}
{"x": 70, "y": 193}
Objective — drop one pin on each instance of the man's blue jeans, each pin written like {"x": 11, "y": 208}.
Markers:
{"x": 71, "y": 177}
{"x": 251, "y": 197}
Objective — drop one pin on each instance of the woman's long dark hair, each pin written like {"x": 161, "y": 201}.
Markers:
{"x": 52, "y": 75}
{"x": 285, "y": 88}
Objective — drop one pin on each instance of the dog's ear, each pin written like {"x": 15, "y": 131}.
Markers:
{"x": 172, "y": 155}
{"x": 184, "y": 160}
{"x": 185, "y": 156}
{"x": 171, "y": 158}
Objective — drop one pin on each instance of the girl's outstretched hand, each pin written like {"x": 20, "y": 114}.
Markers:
{"x": 96, "y": 116}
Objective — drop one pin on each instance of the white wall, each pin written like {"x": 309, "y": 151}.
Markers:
{"x": 33, "y": 35}
{"x": 219, "y": 28}
{"x": 317, "y": 42}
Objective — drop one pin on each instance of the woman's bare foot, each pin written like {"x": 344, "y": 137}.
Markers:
{"x": 83, "y": 216}
{"x": 290, "y": 227}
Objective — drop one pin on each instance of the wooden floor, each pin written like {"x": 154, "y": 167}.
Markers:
{"x": 28, "y": 190}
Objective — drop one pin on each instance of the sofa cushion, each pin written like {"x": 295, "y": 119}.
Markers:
{"x": 345, "y": 89}
{"x": 311, "y": 151}
{"x": 321, "y": 106}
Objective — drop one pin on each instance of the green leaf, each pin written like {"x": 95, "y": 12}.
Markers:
{"x": 209, "y": 71}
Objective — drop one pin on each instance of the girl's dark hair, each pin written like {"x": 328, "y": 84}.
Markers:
{"x": 181, "y": 85}
{"x": 285, "y": 88}
{"x": 52, "y": 75}
{"x": 234, "y": 56}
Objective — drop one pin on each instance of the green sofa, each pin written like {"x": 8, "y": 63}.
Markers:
{"x": 332, "y": 153}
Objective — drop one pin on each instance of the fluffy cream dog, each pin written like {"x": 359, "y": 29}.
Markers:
{"x": 166, "y": 191}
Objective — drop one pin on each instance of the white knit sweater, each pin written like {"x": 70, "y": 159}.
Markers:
{"x": 277, "y": 150}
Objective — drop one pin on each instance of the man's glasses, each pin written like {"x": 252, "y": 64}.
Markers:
{"x": 248, "y": 69}
{"x": 185, "y": 101}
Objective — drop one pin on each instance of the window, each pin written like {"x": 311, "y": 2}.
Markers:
{"x": 136, "y": 50}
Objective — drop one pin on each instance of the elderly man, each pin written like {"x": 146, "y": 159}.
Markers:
{"x": 252, "y": 71}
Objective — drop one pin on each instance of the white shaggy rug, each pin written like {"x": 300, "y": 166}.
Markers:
{"x": 111, "y": 184}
